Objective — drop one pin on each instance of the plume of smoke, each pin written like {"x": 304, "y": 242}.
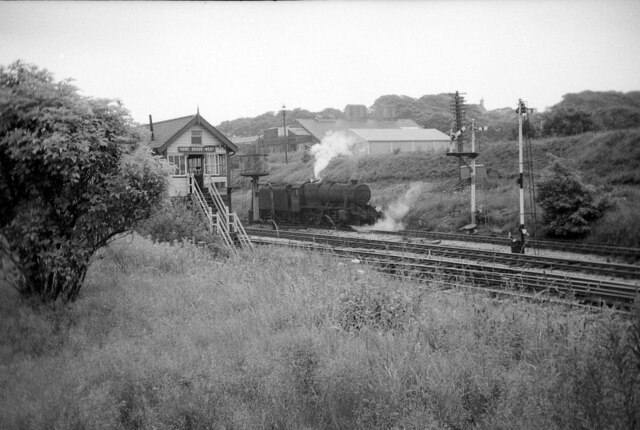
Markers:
{"x": 392, "y": 216}
{"x": 333, "y": 144}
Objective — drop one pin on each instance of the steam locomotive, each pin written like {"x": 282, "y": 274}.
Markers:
{"x": 317, "y": 203}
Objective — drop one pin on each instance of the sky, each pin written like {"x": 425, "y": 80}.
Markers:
{"x": 241, "y": 59}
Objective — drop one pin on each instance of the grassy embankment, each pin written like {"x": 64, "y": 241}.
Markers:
{"x": 169, "y": 337}
{"x": 608, "y": 160}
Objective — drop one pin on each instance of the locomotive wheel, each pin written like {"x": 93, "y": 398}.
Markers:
{"x": 317, "y": 217}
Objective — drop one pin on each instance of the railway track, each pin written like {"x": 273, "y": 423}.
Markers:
{"x": 627, "y": 253}
{"x": 556, "y": 245}
{"x": 479, "y": 268}
{"x": 524, "y": 261}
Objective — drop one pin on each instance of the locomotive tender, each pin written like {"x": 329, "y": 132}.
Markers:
{"x": 316, "y": 203}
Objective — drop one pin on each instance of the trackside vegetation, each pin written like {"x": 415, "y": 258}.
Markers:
{"x": 169, "y": 337}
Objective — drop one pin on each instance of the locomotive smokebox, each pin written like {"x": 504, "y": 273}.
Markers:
{"x": 361, "y": 194}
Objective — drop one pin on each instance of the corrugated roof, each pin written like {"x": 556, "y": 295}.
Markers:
{"x": 401, "y": 134}
{"x": 298, "y": 131}
{"x": 241, "y": 140}
{"x": 319, "y": 129}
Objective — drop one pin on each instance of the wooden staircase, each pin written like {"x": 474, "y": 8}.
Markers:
{"x": 220, "y": 221}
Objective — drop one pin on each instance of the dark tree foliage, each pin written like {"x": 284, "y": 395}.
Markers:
{"x": 255, "y": 126}
{"x": 617, "y": 118}
{"x": 568, "y": 122}
{"x": 72, "y": 176}
{"x": 608, "y": 110}
{"x": 528, "y": 129}
{"x": 568, "y": 203}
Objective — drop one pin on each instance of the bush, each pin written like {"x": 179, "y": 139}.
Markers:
{"x": 73, "y": 175}
{"x": 176, "y": 221}
{"x": 569, "y": 204}
{"x": 567, "y": 122}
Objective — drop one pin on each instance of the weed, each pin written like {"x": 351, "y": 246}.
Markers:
{"x": 167, "y": 336}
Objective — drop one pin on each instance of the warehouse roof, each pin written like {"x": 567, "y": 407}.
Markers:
{"x": 318, "y": 128}
{"x": 402, "y": 134}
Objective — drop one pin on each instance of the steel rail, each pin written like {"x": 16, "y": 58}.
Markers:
{"x": 521, "y": 260}
{"x": 557, "y": 245}
{"x": 482, "y": 275}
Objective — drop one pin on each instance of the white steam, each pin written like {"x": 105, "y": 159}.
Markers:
{"x": 393, "y": 215}
{"x": 333, "y": 144}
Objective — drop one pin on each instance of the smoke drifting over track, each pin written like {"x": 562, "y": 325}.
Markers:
{"x": 396, "y": 211}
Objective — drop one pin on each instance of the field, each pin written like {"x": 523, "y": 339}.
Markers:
{"x": 170, "y": 337}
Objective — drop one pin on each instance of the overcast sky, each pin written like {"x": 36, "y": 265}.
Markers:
{"x": 242, "y": 59}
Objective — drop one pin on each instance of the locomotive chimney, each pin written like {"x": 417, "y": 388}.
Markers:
{"x": 151, "y": 127}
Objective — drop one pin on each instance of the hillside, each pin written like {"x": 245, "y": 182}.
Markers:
{"x": 598, "y": 110}
{"x": 607, "y": 160}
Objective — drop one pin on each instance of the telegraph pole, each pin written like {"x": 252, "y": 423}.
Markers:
{"x": 473, "y": 172}
{"x": 284, "y": 133}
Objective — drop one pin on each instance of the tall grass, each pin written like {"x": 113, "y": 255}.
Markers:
{"x": 171, "y": 337}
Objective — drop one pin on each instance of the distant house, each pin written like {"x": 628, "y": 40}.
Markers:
{"x": 380, "y": 134}
{"x": 273, "y": 139}
{"x": 251, "y": 140}
{"x": 193, "y": 146}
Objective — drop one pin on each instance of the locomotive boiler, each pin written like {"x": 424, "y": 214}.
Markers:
{"x": 317, "y": 203}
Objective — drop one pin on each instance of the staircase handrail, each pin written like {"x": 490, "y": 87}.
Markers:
{"x": 242, "y": 233}
{"x": 230, "y": 219}
{"x": 224, "y": 232}
{"x": 221, "y": 227}
{"x": 206, "y": 210}
{"x": 217, "y": 200}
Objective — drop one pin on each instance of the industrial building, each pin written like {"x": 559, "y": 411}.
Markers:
{"x": 377, "y": 133}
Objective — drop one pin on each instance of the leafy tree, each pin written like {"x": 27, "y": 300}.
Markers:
{"x": 619, "y": 117}
{"x": 72, "y": 176}
{"x": 568, "y": 122}
{"x": 569, "y": 204}
{"x": 528, "y": 129}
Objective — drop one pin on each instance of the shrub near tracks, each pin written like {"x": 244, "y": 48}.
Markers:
{"x": 170, "y": 337}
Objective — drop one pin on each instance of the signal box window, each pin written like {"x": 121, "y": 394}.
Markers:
{"x": 210, "y": 164}
{"x": 196, "y": 137}
{"x": 178, "y": 161}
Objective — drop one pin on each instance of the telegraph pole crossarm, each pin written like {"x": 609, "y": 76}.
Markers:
{"x": 456, "y": 149}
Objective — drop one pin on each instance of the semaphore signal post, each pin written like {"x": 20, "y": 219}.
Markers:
{"x": 457, "y": 149}
{"x": 473, "y": 168}
{"x": 522, "y": 111}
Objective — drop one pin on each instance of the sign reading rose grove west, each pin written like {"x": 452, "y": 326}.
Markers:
{"x": 196, "y": 149}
